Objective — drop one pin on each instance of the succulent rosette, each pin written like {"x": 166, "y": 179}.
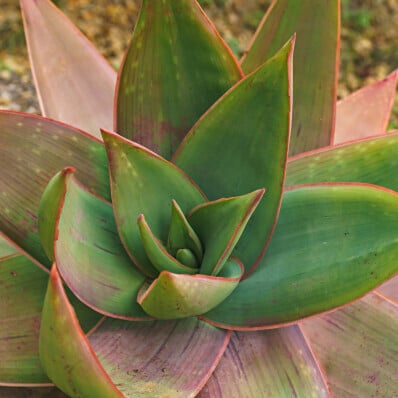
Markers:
{"x": 186, "y": 254}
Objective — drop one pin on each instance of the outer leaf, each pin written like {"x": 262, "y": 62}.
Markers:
{"x": 65, "y": 352}
{"x": 332, "y": 244}
{"x": 272, "y": 363}
{"x": 144, "y": 183}
{"x": 50, "y": 392}
{"x": 90, "y": 256}
{"x": 74, "y": 83}
{"x": 365, "y": 112}
{"x": 176, "y": 67}
{"x": 173, "y": 296}
{"x": 220, "y": 224}
{"x": 358, "y": 348}
{"x": 20, "y": 318}
{"x": 373, "y": 161}
{"x": 390, "y": 289}
{"x": 315, "y": 64}
{"x": 181, "y": 234}
{"x": 157, "y": 253}
{"x": 32, "y": 150}
{"x": 260, "y": 105}
{"x": 159, "y": 359}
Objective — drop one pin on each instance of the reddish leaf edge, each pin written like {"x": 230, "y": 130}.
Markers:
{"x": 215, "y": 31}
{"x": 56, "y": 282}
{"x": 108, "y": 134}
{"x": 292, "y": 42}
{"x": 68, "y": 174}
{"x": 79, "y": 33}
{"x": 319, "y": 151}
{"x": 283, "y": 324}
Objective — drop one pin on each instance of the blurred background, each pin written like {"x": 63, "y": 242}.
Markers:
{"x": 369, "y": 47}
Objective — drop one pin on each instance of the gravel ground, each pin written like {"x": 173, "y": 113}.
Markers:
{"x": 369, "y": 39}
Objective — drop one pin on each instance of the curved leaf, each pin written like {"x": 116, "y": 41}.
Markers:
{"x": 366, "y": 111}
{"x": 219, "y": 225}
{"x": 144, "y": 183}
{"x": 373, "y": 161}
{"x": 159, "y": 359}
{"x": 74, "y": 83}
{"x": 158, "y": 254}
{"x": 332, "y": 244}
{"x": 173, "y": 296}
{"x": 65, "y": 352}
{"x": 271, "y": 363}
{"x": 316, "y": 58}
{"x": 240, "y": 145}
{"x": 32, "y": 150}
{"x": 89, "y": 254}
{"x": 358, "y": 348}
{"x": 176, "y": 67}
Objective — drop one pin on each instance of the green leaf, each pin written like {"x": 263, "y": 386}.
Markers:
{"x": 90, "y": 256}
{"x": 65, "y": 352}
{"x": 173, "y": 296}
{"x": 176, "y": 67}
{"x": 357, "y": 347}
{"x": 366, "y": 111}
{"x": 32, "y": 150}
{"x": 317, "y": 26}
{"x": 272, "y": 363}
{"x": 74, "y": 83}
{"x": 157, "y": 253}
{"x": 144, "y": 183}
{"x": 49, "y": 209}
{"x": 20, "y": 317}
{"x": 181, "y": 234}
{"x": 219, "y": 225}
{"x": 332, "y": 244}
{"x": 373, "y": 161}
{"x": 240, "y": 145}
{"x": 159, "y": 359}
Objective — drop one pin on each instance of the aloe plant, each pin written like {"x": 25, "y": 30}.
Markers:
{"x": 186, "y": 254}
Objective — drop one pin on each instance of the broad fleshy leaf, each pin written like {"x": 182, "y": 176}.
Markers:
{"x": 373, "y": 161}
{"x": 173, "y": 296}
{"x": 333, "y": 243}
{"x": 65, "y": 352}
{"x": 316, "y": 56}
{"x": 176, "y": 67}
{"x": 357, "y": 347}
{"x": 74, "y": 83}
{"x": 365, "y": 112}
{"x": 159, "y": 359}
{"x": 89, "y": 254}
{"x": 181, "y": 234}
{"x": 32, "y": 150}
{"x": 20, "y": 317}
{"x": 270, "y": 363}
{"x": 160, "y": 258}
{"x": 240, "y": 145}
{"x": 144, "y": 183}
{"x": 219, "y": 225}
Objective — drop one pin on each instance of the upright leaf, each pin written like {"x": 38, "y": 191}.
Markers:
{"x": 74, "y": 83}
{"x": 240, "y": 145}
{"x": 316, "y": 57}
{"x": 365, "y": 112}
{"x": 176, "y": 67}
{"x": 32, "y": 150}
{"x": 271, "y": 363}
